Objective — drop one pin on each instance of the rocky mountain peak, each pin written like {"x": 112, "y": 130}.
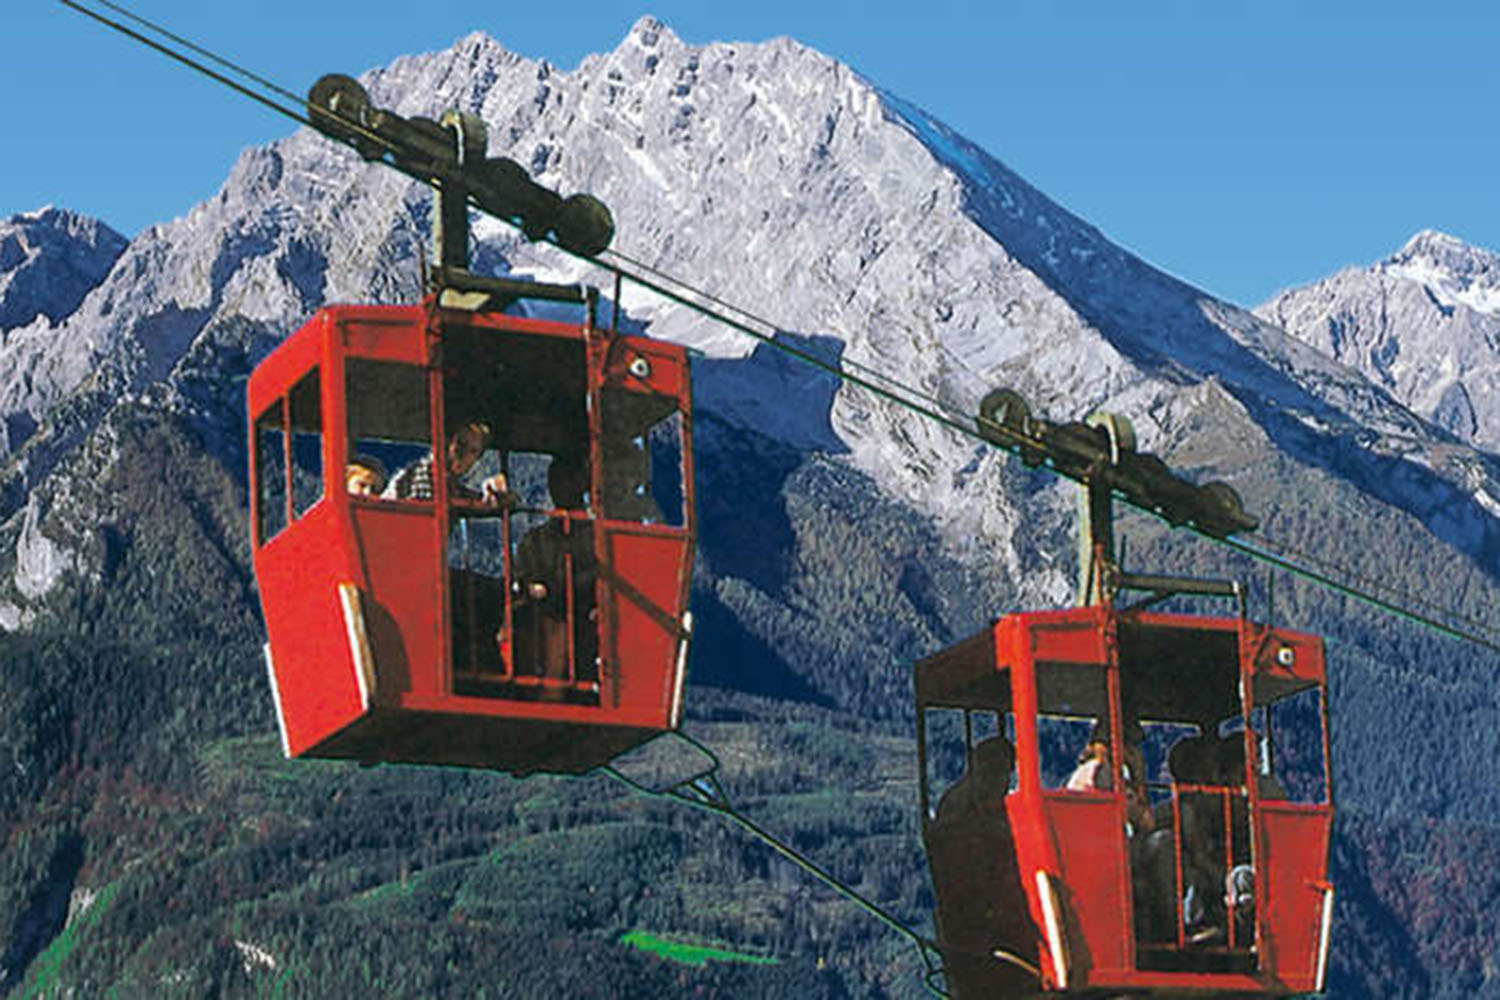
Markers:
{"x": 1424, "y": 323}
{"x": 49, "y": 260}
{"x": 649, "y": 31}
{"x": 766, "y": 174}
{"x": 1457, "y": 273}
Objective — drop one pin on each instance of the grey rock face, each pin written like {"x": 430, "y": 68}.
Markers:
{"x": 49, "y": 260}
{"x": 1424, "y": 323}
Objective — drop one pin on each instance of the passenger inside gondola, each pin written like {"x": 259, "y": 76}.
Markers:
{"x": 1193, "y": 767}
{"x": 1203, "y": 833}
{"x": 464, "y": 449}
{"x": 986, "y": 781}
{"x": 365, "y": 476}
{"x": 554, "y": 575}
{"x": 971, "y": 851}
{"x": 1094, "y": 773}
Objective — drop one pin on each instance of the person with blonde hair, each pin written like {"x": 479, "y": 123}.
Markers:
{"x": 365, "y": 476}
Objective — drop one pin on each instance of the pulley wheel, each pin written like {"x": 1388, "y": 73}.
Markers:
{"x": 340, "y": 107}
{"x": 584, "y": 225}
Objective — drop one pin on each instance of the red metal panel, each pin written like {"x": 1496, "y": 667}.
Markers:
{"x": 389, "y": 333}
{"x": 314, "y": 668}
{"x": 292, "y": 359}
{"x": 1295, "y": 840}
{"x": 398, "y": 565}
{"x": 643, "y": 597}
{"x": 665, "y": 372}
{"x": 1286, "y": 654}
{"x": 1075, "y": 636}
{"x": 1090, "y": 833}
{"x": 1202, "y": 984}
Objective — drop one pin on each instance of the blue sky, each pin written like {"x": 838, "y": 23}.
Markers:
{"x": 1244, "y": 147}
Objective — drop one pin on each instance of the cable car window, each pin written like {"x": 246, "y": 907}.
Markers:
{"x": 971, "y": 761}
{"x": 307, "y": 443}
{"x": 389, "y": 419}
{"x": 945, "y": 753}
{"x": 1291, "y": 761}
{"x": 532, "y": 391}
{"x": 554, "y": 570}
{"x": 1157, "y": 742}
{"x": 642, "y": 457}
{"x": 477, "y": 566}
{"x": 1072, "y": 699}
{"x": 270, "y": 472}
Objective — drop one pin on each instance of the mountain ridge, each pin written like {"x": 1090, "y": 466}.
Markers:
{"x": 1424, "y": 323}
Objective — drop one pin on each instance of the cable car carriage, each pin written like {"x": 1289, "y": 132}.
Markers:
{"x": 1123, "y": 800}
{"x": 472, "y": 532}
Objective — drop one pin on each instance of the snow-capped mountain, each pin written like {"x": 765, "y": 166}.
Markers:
{"x": 1423, "y": 323}
{"x": 782, "y": 181}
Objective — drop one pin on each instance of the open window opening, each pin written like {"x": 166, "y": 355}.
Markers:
{"x": 390, "y": 431}
{"x": 1192, "y": 863}
{"x": 522, "y": 559}
{"x": 642, "y": 458}
{"x": 1290, "y": 760}
{"x": 289, "y": 457}
{"x": 970, "y": 762}
{"x": 1073, "y": 727}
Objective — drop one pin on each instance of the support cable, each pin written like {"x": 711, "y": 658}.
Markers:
{"x": 1406, "y": 598}
{"x": 706, "y": 793}
{"x": 639, "y": 267}
{"x": 1363, "y": 596}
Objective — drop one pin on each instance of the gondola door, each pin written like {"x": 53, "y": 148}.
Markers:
{"x": 642, "y": 478}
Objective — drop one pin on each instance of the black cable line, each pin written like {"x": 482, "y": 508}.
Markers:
{"x": 1406, "y": 597}
{"x": 190, "y": 45}
{"x": 1373, "y": 600}
{"x": 845, "y": 371}
{"x": 296, "y": 116}
{"x": 642, "y": 266}
{"x": 179, "y": 57}
{"x": 703, "y": 791}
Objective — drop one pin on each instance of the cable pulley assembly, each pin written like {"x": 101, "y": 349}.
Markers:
{"x": 340, "y": 108}
{"x": 1100, "y": 452}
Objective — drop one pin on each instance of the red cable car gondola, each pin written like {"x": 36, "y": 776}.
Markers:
{"x": 546, "y": 632}
{"x": 1195, "y": 876}
{"x": 1185, "y": 849}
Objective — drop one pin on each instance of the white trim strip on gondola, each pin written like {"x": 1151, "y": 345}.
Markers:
{"x": 286, "y": 743}
{"x": 359, "y": 642}
{"x": 1057, "y": 945}
{"x": 1325, "y": 926}
{"x": 675, "y": 715}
